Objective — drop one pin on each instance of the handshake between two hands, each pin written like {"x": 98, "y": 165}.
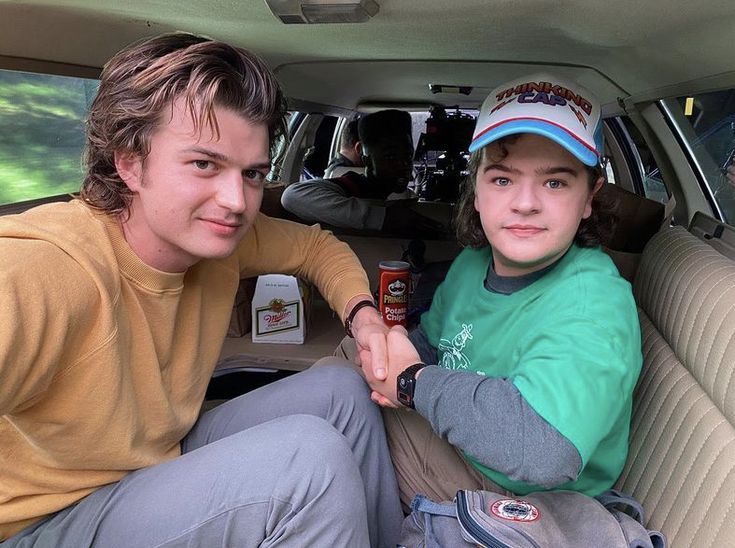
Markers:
{"x": 384, "y": 353}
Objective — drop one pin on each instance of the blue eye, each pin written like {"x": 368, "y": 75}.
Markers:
{"x": 202, "y": 164}
{"x": 555, "y": 184}
{"x": 502, "y": 181}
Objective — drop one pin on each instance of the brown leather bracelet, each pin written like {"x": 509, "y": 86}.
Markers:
{"x": 351, "y": 316}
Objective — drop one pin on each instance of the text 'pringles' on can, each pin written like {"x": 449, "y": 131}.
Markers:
{"x": 393, "y": 292}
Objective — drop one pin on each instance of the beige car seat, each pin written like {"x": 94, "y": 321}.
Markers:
{"x": 681, "y": 464}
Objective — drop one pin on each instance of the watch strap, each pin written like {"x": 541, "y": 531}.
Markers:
{"x": 406, "y": 384}
{"x": 351, "y": 316}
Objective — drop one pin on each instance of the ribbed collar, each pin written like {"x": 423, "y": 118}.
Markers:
{"x": 132, "y": 266}
{"x": 507, "y": 285}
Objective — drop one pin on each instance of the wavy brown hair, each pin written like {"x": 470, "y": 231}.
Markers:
{"x": 142, "y": 81}
{"x": 593, "y": 231}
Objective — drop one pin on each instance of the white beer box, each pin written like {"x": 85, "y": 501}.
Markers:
{"x": 279, "y": 310}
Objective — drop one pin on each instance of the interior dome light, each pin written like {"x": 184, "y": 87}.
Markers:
{"x": 305, "y": 12}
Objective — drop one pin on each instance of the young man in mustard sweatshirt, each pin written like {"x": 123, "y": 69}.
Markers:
{"x": 113, "y": 310}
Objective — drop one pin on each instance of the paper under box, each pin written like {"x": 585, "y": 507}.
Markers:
{"x": 280, "y": 310}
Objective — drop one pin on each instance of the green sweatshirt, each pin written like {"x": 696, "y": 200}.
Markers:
{"x": 569, "y": 342}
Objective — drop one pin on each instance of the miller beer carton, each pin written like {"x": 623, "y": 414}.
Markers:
{"x": 280, "y": 309}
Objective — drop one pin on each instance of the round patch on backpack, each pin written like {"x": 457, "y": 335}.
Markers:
{"x": 515, "y": 510}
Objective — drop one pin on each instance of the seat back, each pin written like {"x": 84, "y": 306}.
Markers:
{"x": 638, "y": 219}
{"x": 338, "y": 171}
{"x": 681, "y": 464}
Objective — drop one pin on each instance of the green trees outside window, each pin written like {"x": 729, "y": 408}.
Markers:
{"x": 42, "y": 138}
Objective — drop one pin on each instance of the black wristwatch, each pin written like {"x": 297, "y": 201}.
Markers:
{"x": 351, "y": 316}
{"x": 406, "y": 384}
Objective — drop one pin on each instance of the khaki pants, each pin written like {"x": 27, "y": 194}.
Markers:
{"x": 424, "y": 462}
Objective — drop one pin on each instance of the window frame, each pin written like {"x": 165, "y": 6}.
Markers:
{"x": 691, "y": 158}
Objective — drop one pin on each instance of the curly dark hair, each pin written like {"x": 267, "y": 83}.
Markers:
{"x": 140, "y": 82}
{"x": 593, "y": 231}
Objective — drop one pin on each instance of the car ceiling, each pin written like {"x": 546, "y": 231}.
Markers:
{"x": 616, "y": 48}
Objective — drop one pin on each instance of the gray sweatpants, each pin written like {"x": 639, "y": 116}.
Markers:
{"x": 302, "y": 462}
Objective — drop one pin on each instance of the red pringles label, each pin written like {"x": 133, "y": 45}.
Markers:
{"x": 393, "y": 292}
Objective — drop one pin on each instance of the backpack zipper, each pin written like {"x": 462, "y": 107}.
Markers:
{"x": 475, "y": 531}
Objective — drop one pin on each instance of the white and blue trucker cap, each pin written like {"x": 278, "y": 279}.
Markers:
{"x": 546, "y": 105}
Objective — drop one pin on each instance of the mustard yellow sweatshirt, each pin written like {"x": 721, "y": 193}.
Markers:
{"x": 104, "y": 361}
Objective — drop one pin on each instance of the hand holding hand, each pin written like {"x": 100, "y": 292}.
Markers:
{"x": 401, "y": 354}
{"x": 370, "y": 337}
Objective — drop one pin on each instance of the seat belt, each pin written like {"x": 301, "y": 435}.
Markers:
{"x": 668, "y": 213}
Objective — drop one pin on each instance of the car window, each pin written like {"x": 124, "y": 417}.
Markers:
{"x": 317, "y": 158}
{"x": 293, "y": 119}
{"x": 640, "y": 165}
{"x": 652, "y": 181}
{"x": 707, "y": 123}
{"x": 42, "y": 139}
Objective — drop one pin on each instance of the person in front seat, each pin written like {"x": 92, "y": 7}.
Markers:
{"x": 522, "y": 371}
{"x": 359, "y": 201}
{"x": 113, "y": 311}
{"x": 350, "y": 150}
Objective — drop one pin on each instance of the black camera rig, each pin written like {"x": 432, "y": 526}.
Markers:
{"x": 442, "y": 153}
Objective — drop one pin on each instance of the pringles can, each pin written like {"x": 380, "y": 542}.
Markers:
{"x": 393, "y": 290}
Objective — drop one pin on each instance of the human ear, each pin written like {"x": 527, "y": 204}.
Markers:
{"x": 130, "y": 168}
{"x": 588, "y": 204}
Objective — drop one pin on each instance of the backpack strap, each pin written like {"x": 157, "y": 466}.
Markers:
{"x": 614, "y": 498}
{"x": 617, "y": 501}
{"x": 422, "y": 504}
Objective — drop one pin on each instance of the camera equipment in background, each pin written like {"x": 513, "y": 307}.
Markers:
{"x": 442, "y": 151}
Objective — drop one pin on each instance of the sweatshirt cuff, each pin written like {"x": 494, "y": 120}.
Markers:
{"x": 432, "y": 378}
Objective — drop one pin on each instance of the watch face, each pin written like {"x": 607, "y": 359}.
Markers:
{"x": 405, "y": 388}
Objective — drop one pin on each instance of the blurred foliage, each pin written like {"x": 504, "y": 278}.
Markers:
{"x": 42, "y": 138}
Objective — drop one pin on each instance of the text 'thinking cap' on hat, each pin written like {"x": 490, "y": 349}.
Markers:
{"x": 552, "y": 107}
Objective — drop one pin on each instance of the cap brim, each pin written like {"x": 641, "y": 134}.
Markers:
{"x": 539, "y": 127}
